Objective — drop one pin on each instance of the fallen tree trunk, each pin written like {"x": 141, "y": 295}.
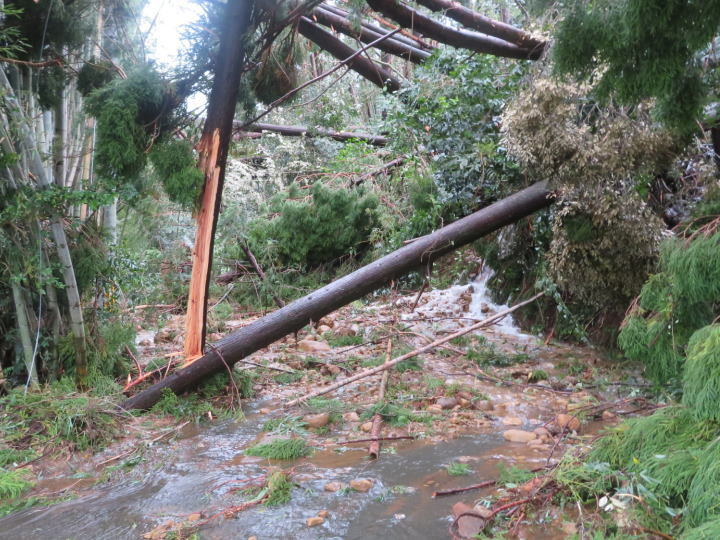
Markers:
{"x": 373, "y": 72}
{"x": 302, "y": 131}
{"x": 266, "y": 330}
{"x": 366, "y": 35}
{"x": 484, "y": 24}
{"x": 474, "y": 41}
{"x": 410, "y": 40}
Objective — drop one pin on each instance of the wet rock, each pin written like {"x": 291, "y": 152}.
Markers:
{"x": 366, "y": 427}
{"x": 164, "y": 335}
{"x": 145, "y": 343}
{"x": 464, "y": 403}
{"x": 512, "y": 421}
{"x": 194, "y": 517}
{"x": 518, "y": 435}
{"x": 484, "y": 405}
{"x": 565, "y": 421}
{"x": 264, "y": 411}
{"x": 343, "y": 331}
{"x": 362, "y": 485}
{"x": 316, "y": 420}
{"x": 312, "y": 346}
{"x": 446, "y": 403}
{"x": 434, "y": 409}
{"x": 541, "y": 432}
{"x": 323, "y": 328}
{"x": 314, "y": 521}
{"x": 484, "y": 308}
{"x": 332, "y": 487}
{"x": 472, "y": 521}
{"x": 608, "y": 415}
{"x": 323, "y": 514}
{"x": 333, "y": 369}
{"x": 351, "y": 417}
{"x": 464, "y": 395}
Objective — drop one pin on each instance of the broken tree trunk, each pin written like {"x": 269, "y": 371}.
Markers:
{"x": 366, "y": 35}
{"x": 213, "y": 150}
{"x": 373, "y": 72}
{"x": 464, "y": 39}
{"x": 266, "y": 330}
{"x": 484, "y": 24}
{"x": 302, "y": 131}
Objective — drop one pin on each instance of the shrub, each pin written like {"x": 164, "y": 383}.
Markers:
{"x": 320, "y": 229}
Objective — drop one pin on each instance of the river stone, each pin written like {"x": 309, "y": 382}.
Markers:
{"x": 312, "y": 346}
{"x": 332, "y": 487}
{"x": 518, "y": 435}
{"x": 446, "y": 402}
{"x": 366, "y": 427}
{"x": 323, "y": 514}
{"x": 323, "y": 328}
{"x": 484, "y": 405}
{"x": 512, "y": 421}
{"x": 607, "y": 415}
{"x": 471, "y": 523}
{"x": 565, "y": 421}
{"x": 362, "y": 485}
{"x": 314, "y": 521}
{"x": 351, "y": 417}
{"x": 317, "y": 420}
{"x": 434, "y": 409}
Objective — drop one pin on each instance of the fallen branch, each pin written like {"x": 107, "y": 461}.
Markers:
{"x": 259, "y": 270}
{"x": 481, "y": 485}
{"x": 430, "y": 346}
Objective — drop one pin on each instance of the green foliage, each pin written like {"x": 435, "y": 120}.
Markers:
{"x": 13, "y": 483}
{"x": 58, "y": 414}
{"x": 10, "y": 456}
{"x": 450, "y": 113}
{"x": 321, "y": 404}
{"x": 701, "y": 378}
{"x": 513, "y": 476}
{"x": 181, "y": 407}
{"x": 176, "y": 167}
{"x": 703, "y": 502}
{"x": 634, "y": 51}
{"x": 330, "y": 225}
{"x": 458, "y": 469}
{"x": 394, "y": 415}
{"x": 487, "y": 354}
{"x": 131, "y": 113}
{"x": 672, "y": 306}
{"x": 286, "y": 425}
{"x": 342, "y": 341}
{"x": 279, "y": 489}
{"x": 281, "y": 449}
{"x": 94, "y": 74}
{"x": 709, "y": 530}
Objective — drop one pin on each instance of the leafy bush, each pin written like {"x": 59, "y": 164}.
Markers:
{"x": 315, "y": 230}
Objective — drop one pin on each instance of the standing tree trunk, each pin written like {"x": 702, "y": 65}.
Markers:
{"x": 213, "y": 148}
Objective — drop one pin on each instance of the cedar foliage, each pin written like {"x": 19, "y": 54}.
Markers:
{"x": 640, "y": 49}
{"x": 319, "y": 229}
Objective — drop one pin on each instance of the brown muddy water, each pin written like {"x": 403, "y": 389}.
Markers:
{"x": 196, "y": 472}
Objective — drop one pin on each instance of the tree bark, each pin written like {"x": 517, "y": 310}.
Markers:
{"x": 392, "y": 46}
{"x": 474, "y": 41}
{"x": 367, "y": 68}
{"x": 313, "y": 307}
{"x": 483, "y": 24}
{"x": 301, "y": 131}
{"x": 213, "y": 148}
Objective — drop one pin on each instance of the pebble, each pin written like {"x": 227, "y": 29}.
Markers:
{"x": 512, "y": 421}
{"x": 607, "y": 415}
{"x": 264, "y": 411}
{"x": 332, "y": 487}
{"x": 362, "y": 485}
{"x": 435, "y": 409}
{"x": 323, "y": 328}
{"x": 351, "y": 417}
{"x": 446, "y": 402}
{"x": 484, "y": 405}
{"x": 564, "y": 421}
{"x": 323, "y": 514}
{"x": 518, "y": 435}
{"x": 317, "y": 420}
{"x": 312, "y": 346}
{"x": 314, "y": 521}
{"x": 366, "y": 427}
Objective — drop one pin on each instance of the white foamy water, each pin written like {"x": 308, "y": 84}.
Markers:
{"x": 470, "y": 302}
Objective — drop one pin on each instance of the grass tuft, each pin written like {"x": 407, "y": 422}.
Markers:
{"x": 280, "y": 449}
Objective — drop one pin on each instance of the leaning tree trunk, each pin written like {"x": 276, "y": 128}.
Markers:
{"x": 213, "y": 148}
{"x": 317, "y": 304}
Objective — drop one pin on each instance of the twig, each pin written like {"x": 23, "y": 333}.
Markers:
{"x": 374, "y": 449}
{"x": 430, "y": 346}
{"x": 259, "y": 270}
{"x": 481, "y": 485}
{"x": 329, "y": 72}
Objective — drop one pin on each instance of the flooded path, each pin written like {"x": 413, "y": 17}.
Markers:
{"x": 196, "y": 473}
